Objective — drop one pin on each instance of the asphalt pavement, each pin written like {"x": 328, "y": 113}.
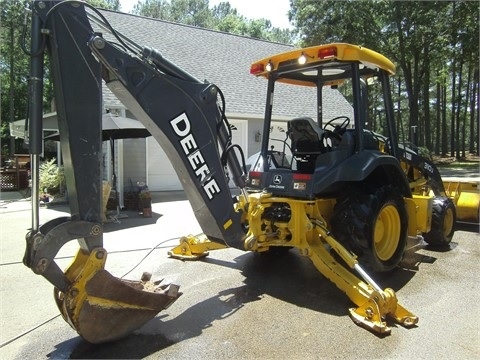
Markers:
{"x": 236, "y": 304}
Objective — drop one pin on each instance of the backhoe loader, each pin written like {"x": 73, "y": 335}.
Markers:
{"x": 343, "y": 195}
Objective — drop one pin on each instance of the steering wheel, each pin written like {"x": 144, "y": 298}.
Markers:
{"x": 332, "y": 137}
{"x": 337, "y": 129}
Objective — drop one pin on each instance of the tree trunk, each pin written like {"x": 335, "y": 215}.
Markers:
{"x": 465, "y": 107}
{"x": 459, "y": 108}
{"x": 454, "y": 79}
{"x": 12, "y": 88}
{"x": 452, "y": 125}
{"x": 438, "y": 116}
{"x": 473, "y": 113}
{"x": 399, "y": 111}
{"x": 426, "y": 129}
{"x": 413, "y": 100}
{"x": 444, "y": 120}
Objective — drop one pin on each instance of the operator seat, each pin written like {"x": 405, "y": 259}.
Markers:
{"x": 306, "y": 138}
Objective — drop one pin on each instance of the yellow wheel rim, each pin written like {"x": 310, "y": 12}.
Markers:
{"x": 386, "y": 234}
{"x": 448, "y": 222}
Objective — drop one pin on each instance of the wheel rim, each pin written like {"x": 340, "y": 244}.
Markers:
{"x": 387, "y": 232}
{"x": 448, "y": 222}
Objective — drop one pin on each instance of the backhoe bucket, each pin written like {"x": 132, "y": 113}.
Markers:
{"x": 101, "y": 307}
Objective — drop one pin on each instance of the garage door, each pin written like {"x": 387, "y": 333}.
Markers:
{"x": 161, "y": 175}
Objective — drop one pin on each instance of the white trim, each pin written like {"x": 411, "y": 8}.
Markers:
{"x": 49, "y": 123}
{"x": 120, "y": 181}
{"x": 244, "y": 134}
{"x": 243, "y": 141}
{"x": 245, "y": 116}
{"x": 147, "y": 153}
{"x": 108, "y": 160}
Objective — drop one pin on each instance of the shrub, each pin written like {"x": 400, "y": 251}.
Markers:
{"x": 52, "y": 178}
{"x": 425, "y": 152}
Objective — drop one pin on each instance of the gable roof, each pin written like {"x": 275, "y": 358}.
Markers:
{"x": 224, "y": 59}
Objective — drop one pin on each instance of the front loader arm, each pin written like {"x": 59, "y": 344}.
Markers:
{"x": 425, "y": 168}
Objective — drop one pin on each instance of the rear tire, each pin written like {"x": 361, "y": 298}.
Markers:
{"x": 443, "y": 222}
{"x": 276, "y": 251}
{"x": 373, "y": 226}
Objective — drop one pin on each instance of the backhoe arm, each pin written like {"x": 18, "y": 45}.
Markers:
{"x": 180, "y": 112}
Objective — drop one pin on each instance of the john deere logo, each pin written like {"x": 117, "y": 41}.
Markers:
{"x": 277, "y": 183}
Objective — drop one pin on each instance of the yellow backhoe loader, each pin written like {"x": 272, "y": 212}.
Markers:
{"x": 344, "y": 195}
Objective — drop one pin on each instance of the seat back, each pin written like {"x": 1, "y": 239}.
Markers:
{"x": 306, "y": 137}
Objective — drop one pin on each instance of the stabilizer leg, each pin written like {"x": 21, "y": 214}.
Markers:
{"x": 374, "y": 304}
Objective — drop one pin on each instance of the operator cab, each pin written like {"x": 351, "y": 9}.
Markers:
{"x": 316, "y": 147}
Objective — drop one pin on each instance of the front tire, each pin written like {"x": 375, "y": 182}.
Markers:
{"x": 443, "y": 222}
{"x": 373, "y": 226}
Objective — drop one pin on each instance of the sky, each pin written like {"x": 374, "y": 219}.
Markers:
{"x": 274, "y": 10}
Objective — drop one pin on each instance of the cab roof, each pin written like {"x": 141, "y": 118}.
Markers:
{"x": 329, "y": 64}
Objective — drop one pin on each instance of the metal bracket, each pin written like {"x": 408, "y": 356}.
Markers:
{"x": 43, "y": 246}
{"x": 194, "y": 247}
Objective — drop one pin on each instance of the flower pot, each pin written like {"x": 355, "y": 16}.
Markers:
{"x": 147, "y": 212}
{"x": 146, "y": 203}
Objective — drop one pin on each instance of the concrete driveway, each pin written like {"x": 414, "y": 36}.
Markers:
{"x": 240, "y": 305}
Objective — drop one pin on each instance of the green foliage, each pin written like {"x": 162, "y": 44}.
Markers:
{"x": 222, "y": 17}
{"x": 52, "y": 178}
{"x": 425, "y": 153}
{"x": 189, "y": 12}
{"x": 105, "y": 4}
{"x": 431, "y": 42}
{"x": 4, "y": 134}
{"x": 227, "y": 19}
{"x": 13, "y": 69}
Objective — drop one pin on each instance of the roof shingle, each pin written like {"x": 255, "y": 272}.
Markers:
{"x": 224, "y": 59}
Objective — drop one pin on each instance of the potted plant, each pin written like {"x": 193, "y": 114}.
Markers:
{"x": 51, "y": 180}
{"x": 145, "y": 200}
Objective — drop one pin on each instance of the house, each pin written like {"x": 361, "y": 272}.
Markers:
{"x": 223, "y": 59}
{"x": 220, "y": 58}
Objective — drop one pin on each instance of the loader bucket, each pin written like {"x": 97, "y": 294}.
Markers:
{"x": 102, "y": 308}
{"x": 466, "y": 197}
